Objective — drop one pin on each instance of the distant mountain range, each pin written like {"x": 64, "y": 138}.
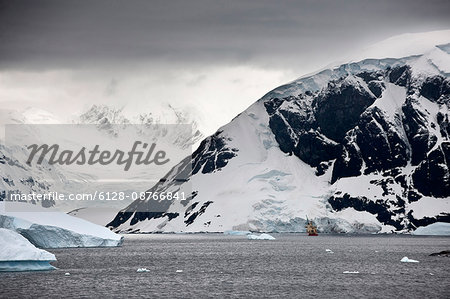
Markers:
{"x": 17, "y": 177}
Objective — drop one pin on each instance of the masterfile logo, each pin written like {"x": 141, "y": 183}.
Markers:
{"x": 91, "y": 164}
{"x": 105, "y": 153}
{"x": 94, "y": 156}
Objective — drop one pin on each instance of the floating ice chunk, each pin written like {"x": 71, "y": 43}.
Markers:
{"x": 351, "y": 272}
{"x": 48, "y": 228}
{"x": 18, "y": 254}
{"x": 179, "y": 271}
{"x": 407, "y": 260}
{"x": 260, "y": 237}
{"x": 143, "y": 270}
{"x": 67, "y": 274}
{"x": 329, "y": 250}
{"x": 236, "y": 232}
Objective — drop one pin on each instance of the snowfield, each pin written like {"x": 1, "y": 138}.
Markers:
{"x": 47, "y": 228}
{"x": 18, "y": 254}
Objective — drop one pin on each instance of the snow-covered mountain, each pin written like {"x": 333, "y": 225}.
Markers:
{"x": 17, "y": 177}
{"x": 360, "y": 147}
{"x": 105, "y": 117}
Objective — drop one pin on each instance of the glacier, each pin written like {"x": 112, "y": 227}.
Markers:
{"x": 435, "y": 229}
{"x": 47, "y": 228}
{"x": 18, "y": 254}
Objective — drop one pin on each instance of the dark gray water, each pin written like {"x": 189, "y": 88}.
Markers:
{"x": 213, "y": 265}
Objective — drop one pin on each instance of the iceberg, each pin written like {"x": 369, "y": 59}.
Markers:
{"x": 350, "y": 272}
{"x": 140, "y": 270}
{"x": 407, "y": 260}
{"x": 260, "y": 237}
{"x": 18, "y": 254}
{"x": 236, "y": 232}
{"x": 435, "y": 229}
{"x": 47, "y": 228}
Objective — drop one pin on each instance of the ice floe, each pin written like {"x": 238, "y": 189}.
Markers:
{"x": 236, "y": 232}
{"x": 260, "y": 237}
{"x": 47, "y": 228}
{"x": 407, "y": 260}
{"x": 18, "y": 254}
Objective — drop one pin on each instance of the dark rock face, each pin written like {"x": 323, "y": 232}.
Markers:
{"x": 313, "y": 148}
{"x": 349, "y": 163}
{"x": 293, "y": 122}
{"x": 194, "y": 215}
{"x": 400, "y": 75}
{"x": 338, "y": 108}
{"x": 436, "y": 87}
{"x": 212, "y": 154}
{"x": 339, "y": 124}
{"x": 378, "y": 207}
{"x": 415, "y": 125}
{"x": 444, "y": 217}
{"x": 380, "y": 143}
{"x": 444, "y": 124}
{"x": 377, "y": 87}
{"x": 431, "y": 177}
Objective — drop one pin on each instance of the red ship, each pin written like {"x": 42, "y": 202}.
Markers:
{"x": 311, "y": 229}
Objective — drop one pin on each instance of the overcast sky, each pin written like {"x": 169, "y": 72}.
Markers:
{"x": 213, "y": 58}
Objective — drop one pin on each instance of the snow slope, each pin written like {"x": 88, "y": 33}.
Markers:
{"x": 18, "y": 254}
{"x": 51, "y": 229}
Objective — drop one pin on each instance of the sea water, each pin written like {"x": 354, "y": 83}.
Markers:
{"x": 217, "y": 265}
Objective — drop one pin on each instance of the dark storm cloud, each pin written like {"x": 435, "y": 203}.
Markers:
{"x": 67, "y": 34}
